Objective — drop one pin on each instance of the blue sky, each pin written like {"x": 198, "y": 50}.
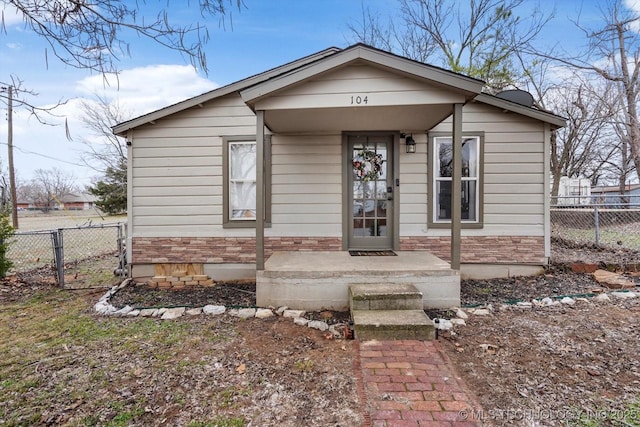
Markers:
{"x": 264, "y": 34}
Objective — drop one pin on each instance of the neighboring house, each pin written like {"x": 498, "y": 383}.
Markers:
{"x": 77, "y": 202}
{"x": 344, "y": 149}
{"x": 611, "y": 195}
{"x": 70, "y": 202}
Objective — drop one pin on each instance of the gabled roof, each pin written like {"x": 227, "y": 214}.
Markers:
{"x": 372, "y": 55}
{"x": 121, "y": 128}
{"x": 255, "y": 87}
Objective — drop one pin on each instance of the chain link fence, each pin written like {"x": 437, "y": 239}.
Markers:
{"x": 610, "y": 221}
{"x": 72, "y": 257}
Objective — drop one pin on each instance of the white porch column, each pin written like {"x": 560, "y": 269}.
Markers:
{"x": 456, "y": 186}
{"x": 260, "y": 208}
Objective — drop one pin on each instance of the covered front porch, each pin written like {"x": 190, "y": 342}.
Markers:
{"x": 371, "y": 100}
{"x": 321, "y": 280}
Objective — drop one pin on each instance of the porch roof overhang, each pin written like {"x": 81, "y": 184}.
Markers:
{"x": 378, "y": 118}
{"x": 290, "y": 107}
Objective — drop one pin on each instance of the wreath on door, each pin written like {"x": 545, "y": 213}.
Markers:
{"x": 367, "y": 165}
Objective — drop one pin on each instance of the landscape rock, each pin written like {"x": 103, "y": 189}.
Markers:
{"x": 481, "y": 312}
{"x": 301, "y": 321}
{"x": 263, "y": 313}
{"x": 243, "y": 313}
{"x": 443, "y": 324}
{"x": 460, "y": 314}
{"x": 613, "y": 280}
{"x": 568, "y": 301}
{"x": 160, "y": 312}
{"x": 148, "y": 312}
{"x": 318, "y": 324}
{"x": 214, "y": 309}
{"x": 293, "y": 313}
{"x": 458, "y": 322}
{"x": 133, "y": 313}
{"x": 602, "y": 298}
{"x": 524, "y": 304}
{"x": 194, "y": 311}
{"x": 547, "y": 301}
{"x": 623, "y": 295}
{"x": 281, "y": 310}
{"x": 173, "y": 313}
{"x": 124, "y": 310}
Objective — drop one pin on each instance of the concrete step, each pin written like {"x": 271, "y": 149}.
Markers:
{"x": 385, "y": 296}
{"x": 392, "y": 325}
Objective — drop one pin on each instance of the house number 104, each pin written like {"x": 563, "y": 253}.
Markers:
{"x": 359, "y": 100}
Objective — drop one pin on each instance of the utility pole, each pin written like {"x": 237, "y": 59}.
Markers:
{"x": 12, "y": 175}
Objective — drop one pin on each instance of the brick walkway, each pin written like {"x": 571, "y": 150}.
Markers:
{"x": 412, "y": 383}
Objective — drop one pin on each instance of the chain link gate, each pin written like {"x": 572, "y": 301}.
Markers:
{"x": 72, "y": 257}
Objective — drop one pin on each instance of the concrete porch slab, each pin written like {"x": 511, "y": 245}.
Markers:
{"x": 320, "y": 280}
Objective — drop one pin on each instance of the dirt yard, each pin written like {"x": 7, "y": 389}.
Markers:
{"x": 540, "y": 366}
{"x": 63, "y": 365}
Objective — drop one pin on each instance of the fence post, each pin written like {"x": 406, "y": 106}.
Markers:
{"x": 59, "y": 255}
{"x": 122, "y": 271}
{"x": 596, "y": 220}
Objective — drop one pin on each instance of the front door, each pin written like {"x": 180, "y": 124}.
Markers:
{"x": 370, "y": 188}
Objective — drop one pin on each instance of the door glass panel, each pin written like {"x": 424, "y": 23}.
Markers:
{"x": 370, "y": 182}
{"x": 382, "y": 227}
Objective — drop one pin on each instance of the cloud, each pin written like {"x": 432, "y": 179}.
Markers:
{"x": 634, "y": 7}
{"x": 137, "y": 90}
{"x": 146, "y": 89}
{"x": 14, "y": 46}
{"x": 10, "y": 15}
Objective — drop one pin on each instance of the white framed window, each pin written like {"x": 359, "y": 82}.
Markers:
{"x": 242, "y": 180}
{"x": 442, "y": 168}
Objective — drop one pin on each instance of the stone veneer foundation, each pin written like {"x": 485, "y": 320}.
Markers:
{"x": 242, "y": 250}
{"x": 483, "y": 249}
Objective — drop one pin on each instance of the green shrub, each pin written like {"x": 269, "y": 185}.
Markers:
{"x": 6, "y": 232}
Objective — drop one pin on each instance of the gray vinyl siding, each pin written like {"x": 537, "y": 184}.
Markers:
{"x": 513, "y": 170}
{"x": 177, "y": 177}
{"x": 381, "y": 87}
{"x": 306, "y": 187}
{"x": 413, "y": 190}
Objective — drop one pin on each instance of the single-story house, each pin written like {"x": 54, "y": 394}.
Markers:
{"x": 78, "y": 202}
{"x": 291, "y": 175}
{"x": 71, "y": 202}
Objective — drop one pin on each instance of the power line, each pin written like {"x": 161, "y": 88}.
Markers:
{"x": 44, "y": 155}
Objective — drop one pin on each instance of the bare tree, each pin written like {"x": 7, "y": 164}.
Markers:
{"x": 94, "y": 34}
{"x": 473, "y": 37}
{"x": 614, "y": 55}
{"x": 103, "y": 149}
{"x": 582, "y": 148}
{"x": 48, "y": 188}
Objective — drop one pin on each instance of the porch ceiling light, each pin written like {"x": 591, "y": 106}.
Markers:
{"x": 410, "y": 143}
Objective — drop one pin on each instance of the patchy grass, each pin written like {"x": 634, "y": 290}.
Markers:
{"x": 614, "y": 236}
{"x": 628, "y": 415}
{"x": 56, "y": 354}
{"x": 63, "y": 365}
